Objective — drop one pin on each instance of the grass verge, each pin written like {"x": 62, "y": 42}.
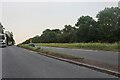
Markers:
{"x": 71, "y": 57}
{"x": 83, "y": 62}
{"x": 93, "y": 46}
{"x": 61, "y": 55}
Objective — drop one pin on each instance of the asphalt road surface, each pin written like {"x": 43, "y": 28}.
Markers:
{"x": 21, "y": 63}
{"x": 108, "y": 57}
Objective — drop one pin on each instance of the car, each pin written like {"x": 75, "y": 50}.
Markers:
{"x": 3, "y": 40}
{"x": 32, "y": 44}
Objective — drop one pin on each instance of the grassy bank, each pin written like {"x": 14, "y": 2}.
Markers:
{"x": 93, "y": 46}
{"x": 26, "y": 46}
{"x": 61, "y": 55}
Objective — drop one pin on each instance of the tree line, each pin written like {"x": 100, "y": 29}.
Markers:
{"x": 86, "y": 29}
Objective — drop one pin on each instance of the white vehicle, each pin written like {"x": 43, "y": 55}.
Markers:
{"x": 3, "y": 40}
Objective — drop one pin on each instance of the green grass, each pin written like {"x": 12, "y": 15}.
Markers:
{"x": 26, "y": 46}
{"x": 61, "y": 55}
{"x": 93, "y": 46}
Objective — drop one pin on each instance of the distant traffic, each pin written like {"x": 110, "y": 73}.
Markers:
{"x": 6, "y": 37}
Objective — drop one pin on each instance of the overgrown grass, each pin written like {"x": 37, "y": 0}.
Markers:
{"x": 26, "y": 46}
{"x": 61, "y": 55}
{"x": 93, "y": 46}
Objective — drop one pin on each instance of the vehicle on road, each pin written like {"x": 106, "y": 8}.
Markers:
{"x": 32, "y": 44}
{"x": 3, "y": 40}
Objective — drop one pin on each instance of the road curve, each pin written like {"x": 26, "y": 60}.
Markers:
{"x": 21, "y": 63}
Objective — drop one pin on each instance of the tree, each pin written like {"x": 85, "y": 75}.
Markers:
{"x": 105, "y": 29}
{"x": 87, "y": 29}
{"x": 26, "y": 42}
{"x": 36, "y": 39}
{"x": 46, "y": 31}
{"x": 68, "y": 34}
{"x": 1, "y": 28}
{"x": 50, "y": 36}
{"x": 108, "y": 22}
{"x": 10, "y": 38}
{"x": 57, "y": 31}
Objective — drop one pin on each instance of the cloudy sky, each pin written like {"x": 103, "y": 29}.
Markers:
{"x": 27, "y": 19}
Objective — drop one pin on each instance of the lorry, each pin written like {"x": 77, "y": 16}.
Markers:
{"x": 6, "y": 37}
{"x": 2, "y": 37}
{"x": 3, "y": 40}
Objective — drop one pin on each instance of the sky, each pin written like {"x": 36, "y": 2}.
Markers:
{"x": 27, "y": 19}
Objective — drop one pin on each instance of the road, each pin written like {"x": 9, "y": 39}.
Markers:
{"x": 21, "y": 63}
{"x": 108, "y": 57}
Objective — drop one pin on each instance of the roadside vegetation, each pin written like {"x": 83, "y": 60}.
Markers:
{"x": 93, "y": 46}
{"x": 68, "y": 56}
{"x": 26, "y": 46}
{"x": 87, "y": 33}
{"x": 46, "y": 52}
